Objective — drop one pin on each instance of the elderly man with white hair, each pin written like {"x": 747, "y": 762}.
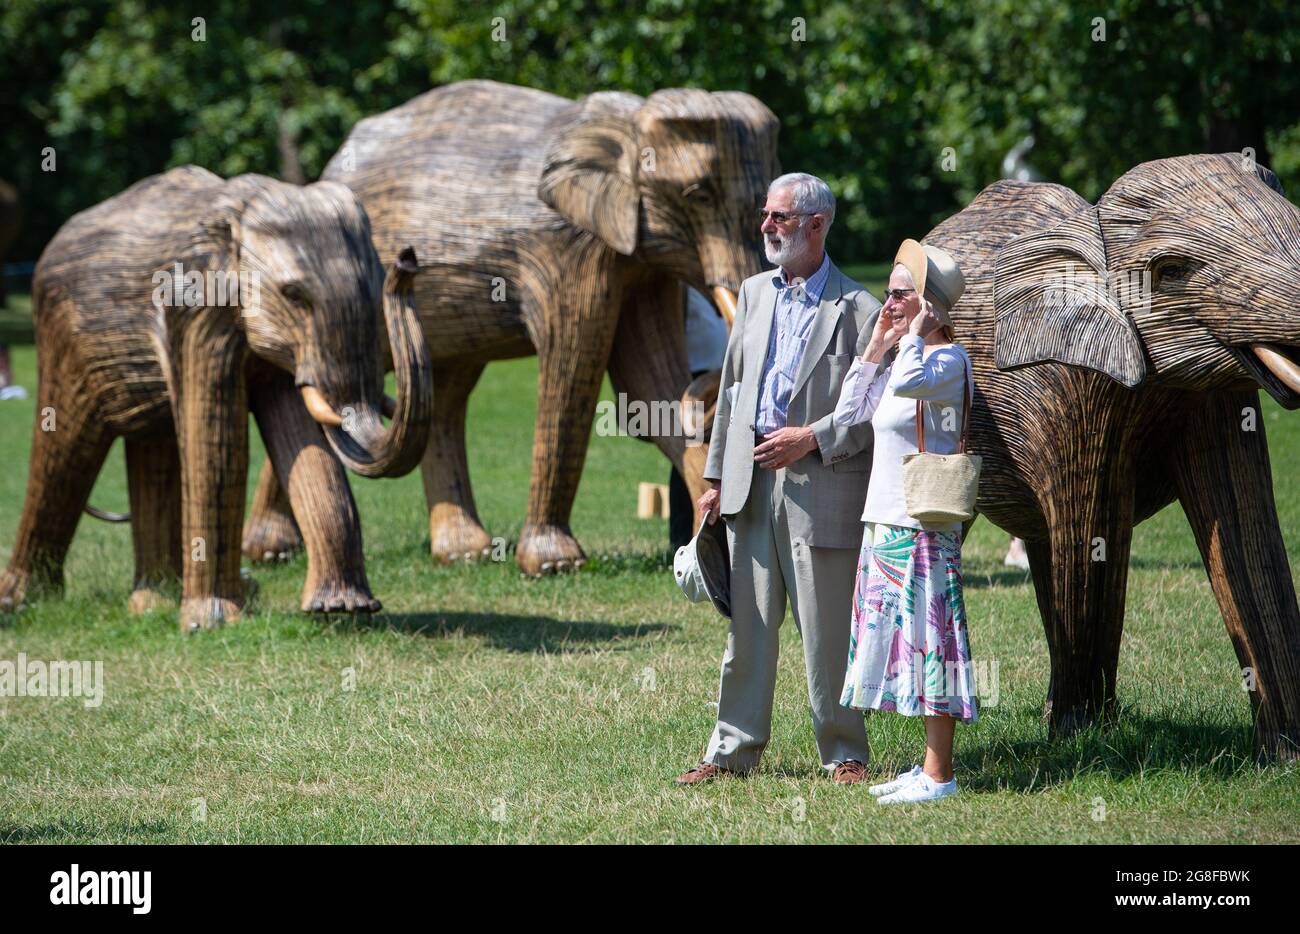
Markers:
{"x": 789, "y": 483}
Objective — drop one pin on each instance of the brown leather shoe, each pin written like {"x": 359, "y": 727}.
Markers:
{"x": 849, "y": 772}
{"x": 704, "y": 772}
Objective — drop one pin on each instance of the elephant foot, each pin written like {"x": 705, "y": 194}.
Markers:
{"x": 1064, "y": 722}
{"x": 1279, "y": 746}
{"x": 338, "y": 597}
{"x": 548, "y": 549}
{"x": 13, "y": 587}
{"x": 458, "y": 538}
{"x": 147, "y": 598}
{"x": 207, "y": 613}
{"x": 271, "y": 536}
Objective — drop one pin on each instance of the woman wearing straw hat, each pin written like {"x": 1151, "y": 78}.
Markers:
{"x": 908, "y": 649}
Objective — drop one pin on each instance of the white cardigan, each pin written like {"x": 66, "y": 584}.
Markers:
{"x": 888, "y": 399}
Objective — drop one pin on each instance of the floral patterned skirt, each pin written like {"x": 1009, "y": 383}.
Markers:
{"x": 908, "y": 650}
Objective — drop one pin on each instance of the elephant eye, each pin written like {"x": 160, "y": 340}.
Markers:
{"x": 1172, "y": 270}
{"x": 698, "y": 193}
{"x": 294, "y": 292}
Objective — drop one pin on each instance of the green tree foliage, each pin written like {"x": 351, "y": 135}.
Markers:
{"x": 906, "y": 106}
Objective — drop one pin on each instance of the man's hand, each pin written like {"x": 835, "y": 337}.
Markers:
{"x": 708, "y": 503}
{"x": 785, "y": 446}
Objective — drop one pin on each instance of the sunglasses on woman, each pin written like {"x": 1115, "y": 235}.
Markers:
{"x": 899, "y": 294}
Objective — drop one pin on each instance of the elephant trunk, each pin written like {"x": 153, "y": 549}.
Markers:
{"x": 357, "y": 435}
{"x": 727, "y": 261}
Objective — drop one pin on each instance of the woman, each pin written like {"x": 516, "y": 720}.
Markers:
{"x": 908, "y": 650}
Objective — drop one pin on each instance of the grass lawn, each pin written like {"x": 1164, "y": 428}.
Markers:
{"x": 481, "y": 706}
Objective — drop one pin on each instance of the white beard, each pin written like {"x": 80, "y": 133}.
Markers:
{"x": 791, "y": 248}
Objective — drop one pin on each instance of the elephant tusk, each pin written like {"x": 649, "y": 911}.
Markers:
{"x": 390, "y": 406}
{"x": 105, "y": 516}
{"x": 1287, "y": 372}
{"x": 700, "y": 399}
{"x": 319, "y": 409}
{"x": 725, "y": 299}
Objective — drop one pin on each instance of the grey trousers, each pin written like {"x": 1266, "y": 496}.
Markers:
{"x": 766, "y": 566}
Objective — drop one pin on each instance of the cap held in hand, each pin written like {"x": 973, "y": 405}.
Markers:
{"x": 703, "y": 567}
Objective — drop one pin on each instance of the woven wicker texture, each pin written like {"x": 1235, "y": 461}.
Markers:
{"x": 176, "y": 373}
{"x": 1161, "y": 385}
{"x": 561, "y": 228}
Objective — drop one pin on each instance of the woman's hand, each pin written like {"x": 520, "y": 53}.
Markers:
{"x": 889, "y": 328}
{"x": 925, "y": 321}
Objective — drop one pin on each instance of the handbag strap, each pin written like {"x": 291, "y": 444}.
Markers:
{"x": 965, "y": 422}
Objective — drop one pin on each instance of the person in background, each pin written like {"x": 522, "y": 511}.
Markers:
{"x": 7, "y": 388}
{"x": 706, "y": 343}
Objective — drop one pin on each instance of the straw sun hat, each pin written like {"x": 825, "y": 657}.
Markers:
{"x": 935, "y": 274}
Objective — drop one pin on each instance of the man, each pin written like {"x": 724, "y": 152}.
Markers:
{"x": 790, "y": 484}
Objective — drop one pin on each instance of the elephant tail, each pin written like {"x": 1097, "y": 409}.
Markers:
{"x": 107, "y": 516}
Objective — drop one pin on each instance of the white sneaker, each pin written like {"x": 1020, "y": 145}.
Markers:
{"x": 1017, "y": 556}
{"x": 920, "y": 788}
{"x": 903, "y": 779}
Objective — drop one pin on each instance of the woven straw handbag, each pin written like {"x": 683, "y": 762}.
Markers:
{"x": 942, "y": 487}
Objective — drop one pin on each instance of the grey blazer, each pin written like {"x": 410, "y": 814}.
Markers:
{"x": 824, "y": 491}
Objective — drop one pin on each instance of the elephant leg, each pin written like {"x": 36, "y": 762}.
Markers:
{"x": 1225, "y": 485}
{"x": 69, "y": 444}
{"x": 572, "y": 358}
{"x": 648, "y": 364}
{"x": 212, "y": 429}
{"x": 154, "y": 485}
{"x": 1040, "y": 568}
{"x": 1089, "y": 575}
{"x": 455, "y": 532}
{"x": 1088, "y": 507}
{"x": 319, "y": 497}
{"x": 271, "y": 533}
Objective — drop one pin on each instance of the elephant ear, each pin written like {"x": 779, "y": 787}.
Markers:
{"x": 218, "y": 233}
{"x": 1269, "y": 178}
{"x": 589, "y": 170}
{"x": 1053, "y": 304}
{"x": 1243, "y": 162}
{"x": 220, "y": 228}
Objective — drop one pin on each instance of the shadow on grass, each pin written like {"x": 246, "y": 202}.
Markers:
{"x": 1013, "y": 577}
{"x": 74, "y": 829}
{"x": 1010, "y": 577}
{"x": 1161, "y": 564}
{"x": 1129, "y": 747}
{"x": 509, "y": 631}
